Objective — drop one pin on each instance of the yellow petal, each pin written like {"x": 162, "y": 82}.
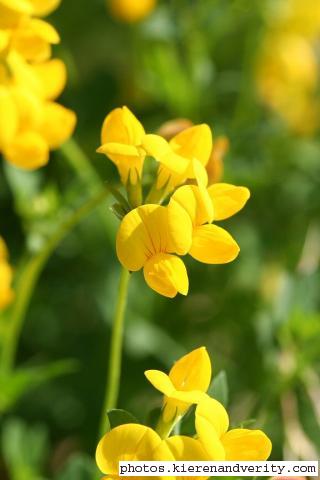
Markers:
{"x": 121, "y": 126}
{"x": 194, "y": 143}
{"x": 5, "y": 36}
{"x": 52, "y": 76}
{"x": 58, "y": 124}
{"x": 29, "y": 107}
{"x": 187, "y": 449}
{"x": 227, "y": 199}
{"x": 167, "y": 275}
{"x": 214, "y": 413}
{"x": 28, "y": 151}
{"x": 179, "y": 228}
{"x": 11, "y": 12}
{"x": 213, "y": 245}
{"x": 159, "y": 148}
{"x": 6, "y": 293}
{"x": 143, "y": 233}
{"x": 129, "y": 442}
{"x": 192, "y": 371}
{"x": 160, "y": 381}
{"x": 211, "y": 421}
{"x": 42, "y": 8}
{"x": 195, "y": 201}
{"x": 248, "y": 445}
{"x": 33, "y": 39}
{"x": 8, "y": 117}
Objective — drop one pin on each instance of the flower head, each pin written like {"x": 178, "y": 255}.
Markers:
{"x": 183, "y": 157}
{"x": 31, "y": 123}
{"x": 121, "y": 138}
{"x": 149, "y": 237}
{"x": 186, "y": 383}
{"x": 220, "y": 443}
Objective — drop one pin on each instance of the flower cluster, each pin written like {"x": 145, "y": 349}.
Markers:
{"x": 6, "y": 293}
{"x": 173, "y": 215}
{"x": 287, "y": 73}
{"x": 31, "y": 122}
{"x": 212, "y": 439}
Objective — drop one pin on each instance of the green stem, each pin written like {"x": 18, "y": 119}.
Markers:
{"x": 115, "y": 354}
{"x": 30, "y": 275}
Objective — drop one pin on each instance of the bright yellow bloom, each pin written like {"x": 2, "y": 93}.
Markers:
{"x": 31, "y": 123}
{"x": 298, "y": 16}
{"x": 6, "y": 274}
{"x": 186, "y": 384}
{"x": 183, "y": 157}
{"x": 210, "y": 243}
{"x": 148, "y": 238}
{"x": 121, "y": 138}
{"x": 130, "y": 442}
{"x": 131, "y": 11}
{"x": 212, "y": 424}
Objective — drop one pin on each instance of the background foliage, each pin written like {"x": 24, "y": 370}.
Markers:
{"x": 258, "y": 317}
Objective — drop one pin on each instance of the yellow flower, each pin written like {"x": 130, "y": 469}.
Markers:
{"x": 183, "y": 157}
{"x": 32, "y": 124}
{"x": 33, "y": 39}
{"x": 212, "y": 424}
{"x": 130, "y": 442}
{"x": 148, "y": 238}
{"x": 186, "y": 384}
{"x": 287, "y": 79}
{"x": 210, "y": 243}
{"x": 6, "y": 274}
{"x": 131, "y": 11}
{"x": 121, "y": 138}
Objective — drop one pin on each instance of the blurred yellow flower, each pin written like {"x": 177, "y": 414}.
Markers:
{"x": 212, "y": 424}
{"x": 183, "y": 157}
{"x": 6, "y": 274}
{"x": 210, "y": 243}
{"x": 186, "y": 384}
{"x": 148, "y": 238}
{"x": 129, "y": 442}
{"x": 131, "y": 11}
{"x": 215, "y": 167}
{"x": 31, "y": 123}
{"x": 122, "y": 135}
{"x": 288, "y": 67}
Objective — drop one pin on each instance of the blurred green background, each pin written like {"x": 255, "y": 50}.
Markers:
{"x": 258, "y": 317}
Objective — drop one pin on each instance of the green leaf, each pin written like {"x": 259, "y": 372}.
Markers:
{"x": 219, "y": 388}
{"x": 24, "y": 449}
{"x": 118, "y": 417}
